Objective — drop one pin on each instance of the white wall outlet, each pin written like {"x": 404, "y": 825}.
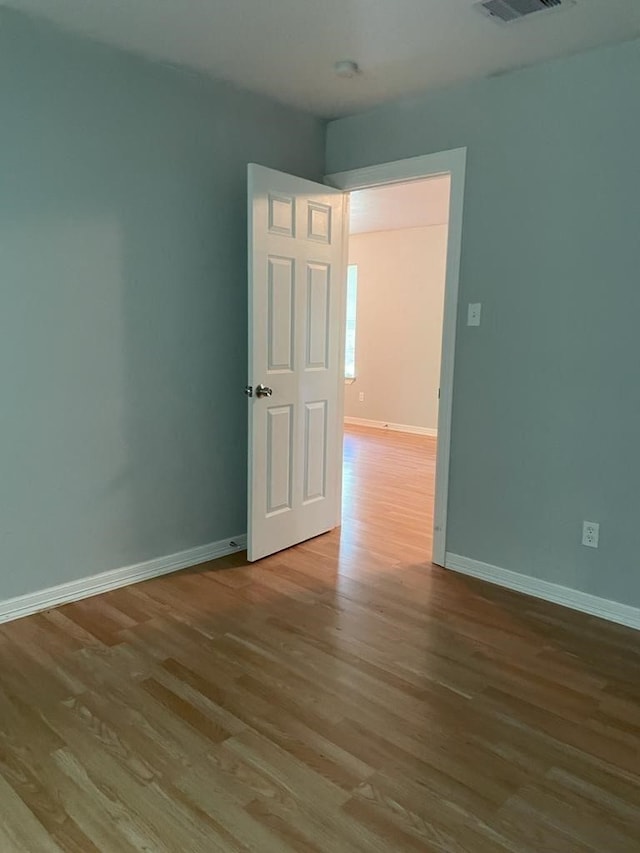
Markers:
{"x": 590, "y": 534}
{"x": 361, "y": 396}
{"x": 475, "y": 311}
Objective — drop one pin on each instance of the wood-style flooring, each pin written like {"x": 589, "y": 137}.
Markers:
{"x": 341, "y": 696}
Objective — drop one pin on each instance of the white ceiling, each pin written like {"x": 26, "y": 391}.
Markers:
{"x": 409, "y": 205}
{"x": 286, "y": 48}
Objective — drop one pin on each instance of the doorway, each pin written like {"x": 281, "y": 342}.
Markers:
{"x": 452, "y": 164}
{"x": 393, "y": 340}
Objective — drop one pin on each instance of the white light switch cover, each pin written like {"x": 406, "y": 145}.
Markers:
{"x": 475, "y": 311}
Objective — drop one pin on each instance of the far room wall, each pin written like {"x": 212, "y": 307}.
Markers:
{"x": 401, "y": 277}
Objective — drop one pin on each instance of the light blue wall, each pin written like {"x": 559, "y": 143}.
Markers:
{"x": 546, "y": 428}
{"x": 122, "y": 302}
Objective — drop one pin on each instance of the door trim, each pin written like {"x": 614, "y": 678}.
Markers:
{"x": 346, "y": 207}
{"x": 452, "y": 163}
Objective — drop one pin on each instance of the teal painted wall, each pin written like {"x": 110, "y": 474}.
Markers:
{"x": 546, "y": 426}
{"x": 123, "y": 302}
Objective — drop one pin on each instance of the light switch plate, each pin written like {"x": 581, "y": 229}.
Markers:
{"x": 475, "y": 311}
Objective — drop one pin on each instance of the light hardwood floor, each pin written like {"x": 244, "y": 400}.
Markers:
{"x": 342, "y": 696}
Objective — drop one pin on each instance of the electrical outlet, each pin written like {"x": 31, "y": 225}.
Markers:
{"x": 590, "y": 534}
{"x": 361, "y": 396}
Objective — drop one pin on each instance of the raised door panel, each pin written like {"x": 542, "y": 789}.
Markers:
{"x": 282, "y": 215}
{"x": 279, "y": 459}
{"x": 319, "y": 222}
{"x": 315, "y": 451}
{"x": 318, "y": 316}
{"x": 281, "y": 315}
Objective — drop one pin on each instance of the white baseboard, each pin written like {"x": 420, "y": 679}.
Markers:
{"x": 44, "y": 599}
{"x": 612, "y": 611}
{"x": 414, "y": 430}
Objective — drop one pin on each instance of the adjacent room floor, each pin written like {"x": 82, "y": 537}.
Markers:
{"x": 340, "y": 696}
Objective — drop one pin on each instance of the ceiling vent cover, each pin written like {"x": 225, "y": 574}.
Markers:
{"x": 513, "y": 10}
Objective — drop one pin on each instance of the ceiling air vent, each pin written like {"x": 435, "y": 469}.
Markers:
{"x": 513, "y": 10}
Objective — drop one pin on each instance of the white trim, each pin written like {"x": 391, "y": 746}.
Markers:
{"x": 612, "y": 611}
{"x": 342, "y": 296}
{"x": 53, "y": 596}
{"x": 414, "y": 430}
{"x": 397, "y": 171}
{"x": 414, "y": 168}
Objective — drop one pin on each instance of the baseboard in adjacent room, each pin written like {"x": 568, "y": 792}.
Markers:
{"x": 414, "y": 430}
{"x": 44, "y": 599}
{"x": 612, "y": 611}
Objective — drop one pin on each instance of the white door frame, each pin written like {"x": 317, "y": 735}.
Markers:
{"x": 452, "y": 163}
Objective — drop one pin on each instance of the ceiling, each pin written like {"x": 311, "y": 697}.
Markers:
{"x": 410, "y": 205}
{"x": 287, "y": 48}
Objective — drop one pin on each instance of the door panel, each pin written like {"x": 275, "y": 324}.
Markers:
{"x": 296, "y": 315}
{"x": 279, "y": 459}
{"x": 281, "y": 315}
{"x": 318, "y": 317}
{"x": 315, "y": 451}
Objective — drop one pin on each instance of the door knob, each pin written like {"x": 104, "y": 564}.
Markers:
{"x": 263, "y": 391}
{"x": 248, "y": 391}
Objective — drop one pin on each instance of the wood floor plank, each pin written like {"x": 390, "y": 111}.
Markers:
{"x": 344, "y": 695}
{"x": 20, "y": 829}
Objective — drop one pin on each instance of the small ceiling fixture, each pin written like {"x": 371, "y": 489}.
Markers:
{"x": 346, "y": 68}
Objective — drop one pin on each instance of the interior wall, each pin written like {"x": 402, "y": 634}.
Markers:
{"x": 546, "y": 414}
{"x": 123, "y": 338}
{"x": 401, "y": 277}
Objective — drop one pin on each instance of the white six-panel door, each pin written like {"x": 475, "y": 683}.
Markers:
{"x": 296, "y": 303}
